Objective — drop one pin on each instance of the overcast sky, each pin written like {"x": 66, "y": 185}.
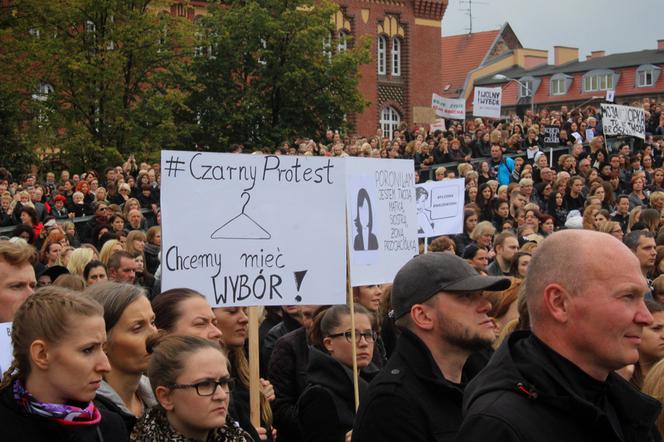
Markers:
{"x": 590, "y": 25}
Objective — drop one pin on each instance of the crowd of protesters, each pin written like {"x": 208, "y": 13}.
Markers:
{"x": 463, "y": 345}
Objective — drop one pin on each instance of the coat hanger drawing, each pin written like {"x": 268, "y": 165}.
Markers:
{"x": 241, "y": 226}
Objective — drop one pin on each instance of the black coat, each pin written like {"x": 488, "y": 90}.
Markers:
{"x": 523, "y": 395}
{"x": 288, "y": 324}
{"x": 409, "y": 400}
{"x": 20, "y": 427}
{"x": 326, "y": 409}
{"x": 288, "y": 374}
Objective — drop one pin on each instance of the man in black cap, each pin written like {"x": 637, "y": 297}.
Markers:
{"x": 438, "y": 304}
{"x": 557, "y": 383}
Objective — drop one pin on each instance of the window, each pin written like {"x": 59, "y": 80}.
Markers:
{"x": 180, "y": 10}
{"x": 396, "y": 57}
{"x": 598, "y": 81}
{"x": 342, "y": 42}
{"x": 42, "y": 92}
{"x": 90, "y": 27}
{"x": 382, "y": 53}
{"x": 647, "y": 75}
{"x": 34, "y": 32}
{"x": 526, "y": 88}
{"x": 389, "y": 121}
{"x": 327, "y": 47}
{"x": 557, "y": 86}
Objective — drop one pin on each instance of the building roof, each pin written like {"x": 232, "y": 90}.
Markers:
{"x": 613, "y": 61}
{"x": 462, "y": 53}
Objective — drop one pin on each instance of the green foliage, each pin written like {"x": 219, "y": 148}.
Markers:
{"x": 270, "y": 71}
{"x": 116, "y": 70}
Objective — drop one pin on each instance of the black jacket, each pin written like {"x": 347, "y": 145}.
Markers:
{"x": 409, "y": 400}
{"x": 20, "y": 427}
{"x": 288, "y": 324}
{"x": 528, "y": 392}
{"x": 288, "y": 374}
{"x": 326, "y": 409}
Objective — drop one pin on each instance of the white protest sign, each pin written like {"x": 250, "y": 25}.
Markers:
{"x": 487, "y": 102}
{"x": 590, "y": 134}
{"x": 439, "y": 124}
{"x": 440, "y": 207}
{"x": 251, "y": 229}
{"x": 382, "y": 221}
{"x": 452, "y": 108}
{"x": 610, "y": 95}
{"x": 623, "y": 120}
{"x": 5, "y": 346}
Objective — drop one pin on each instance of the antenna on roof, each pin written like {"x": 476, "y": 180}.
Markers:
{"x": 469, "y": 12}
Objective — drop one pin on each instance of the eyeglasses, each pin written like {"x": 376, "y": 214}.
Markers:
{"x": 369, "y": 336}
{"x": 207, "y": 388}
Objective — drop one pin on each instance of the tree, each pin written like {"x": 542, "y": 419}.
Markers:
{"x": 266, "y": 71}
{"x": 99, "y": 79}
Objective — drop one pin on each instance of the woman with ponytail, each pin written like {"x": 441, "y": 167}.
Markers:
{"x": 233, "y": 323}
{"x": 190, "y": 379}
{"x": 326, "y": 409}
{"x": 58, "y": 364}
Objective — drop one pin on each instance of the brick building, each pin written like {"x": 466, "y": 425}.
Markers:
{"x": 569, "y": 81}
{"x": 405, "y": 68}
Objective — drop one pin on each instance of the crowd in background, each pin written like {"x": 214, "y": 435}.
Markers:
{"x": 152, "y": 365}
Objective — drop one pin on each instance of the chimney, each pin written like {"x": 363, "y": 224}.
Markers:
{"x": 562, "y": 55}
{"x": 660, "y": 44}
{"x": 596, "y": 54}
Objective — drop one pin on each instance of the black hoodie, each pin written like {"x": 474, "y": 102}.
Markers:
{"x": 326, "y": 409}
{"x": 528, "y": 392}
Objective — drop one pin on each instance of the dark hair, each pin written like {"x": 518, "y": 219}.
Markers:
{"x": 329, "y": 319}
{"x": 169, "y": 354}
{"x": 631, "y": 239}
{"x": 116, "y": 257}
{"x": 92, "y": 265}
{"x": 419, "y": 191}
{"x": 166, "y": 306}
{"x": 470, "y": 251}
{"x": 362, "y": 198}
{"x": 32, "y": 213}
{"x": 24, "y": 228}
{"x": 114, "y": 297}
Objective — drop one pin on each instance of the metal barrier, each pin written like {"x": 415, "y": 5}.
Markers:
{"x": 77, "y": 222}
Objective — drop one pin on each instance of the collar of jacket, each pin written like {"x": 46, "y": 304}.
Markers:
{"x": 326, "y": 371}
{"x": 542, "y": 383}
{"x": 420, "y": 362}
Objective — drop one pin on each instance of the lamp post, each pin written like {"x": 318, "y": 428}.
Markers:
{"x": 523, "y": 85}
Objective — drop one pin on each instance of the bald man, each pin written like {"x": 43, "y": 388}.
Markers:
{"x": 557, "y": 383}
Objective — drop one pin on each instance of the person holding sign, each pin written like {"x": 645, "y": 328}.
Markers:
{"x": 438, "y": 304}
{"x": 190, "y": 379}
{"x": 326, "y": 409}
{"x": 47, "y": 393}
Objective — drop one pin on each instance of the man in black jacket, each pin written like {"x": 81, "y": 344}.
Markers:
{"x": 558, "y": 382}
{"x": 438, "y": 304}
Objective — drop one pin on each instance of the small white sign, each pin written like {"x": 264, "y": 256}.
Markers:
{"x": 452, "y": 108}
{"x": 382, "y": 221}
{"x": 5, "y": 346}
{"x": 487, "y": 102}
{"x": 440, "y": 207}
{"x": 623, "y": 120}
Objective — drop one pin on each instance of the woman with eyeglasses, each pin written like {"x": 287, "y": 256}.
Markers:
{"x": 326, "y": 409}
{"x": 190, "y": 379}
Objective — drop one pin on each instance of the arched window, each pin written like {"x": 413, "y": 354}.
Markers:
{"x": 342, "y": 42}
{"x": 396, "y": 57}
{"x": 327, "y": 46}
{"x": 389, "y": 121}
{"x": 382, "y": 54}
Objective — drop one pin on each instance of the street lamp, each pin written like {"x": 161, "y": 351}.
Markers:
{"x": 523, "y": 85}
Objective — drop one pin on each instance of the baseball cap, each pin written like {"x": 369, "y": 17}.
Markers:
{"x": 425, "y": 275}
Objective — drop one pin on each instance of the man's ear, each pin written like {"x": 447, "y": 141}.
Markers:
{"x": 39, "y": 354}
{"x": 556, "y": 300}
{"x": 164, "y": 397}
{"x": 422, "y": 316}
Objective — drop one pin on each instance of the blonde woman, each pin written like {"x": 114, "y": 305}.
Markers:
{"x": 109, "y": 247}
{"x": 78, "y": 259}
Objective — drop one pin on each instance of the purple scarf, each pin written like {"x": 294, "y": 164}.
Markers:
{"x": 60, "y": 413}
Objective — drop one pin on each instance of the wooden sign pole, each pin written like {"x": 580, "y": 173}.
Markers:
{"x": 351, "y": 304}
{"x": 254, "y": 369}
